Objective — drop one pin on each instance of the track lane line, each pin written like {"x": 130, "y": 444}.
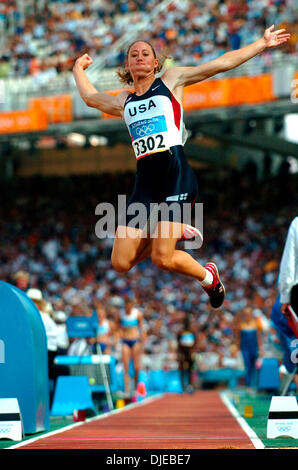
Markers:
{"x": 256, "y": 441}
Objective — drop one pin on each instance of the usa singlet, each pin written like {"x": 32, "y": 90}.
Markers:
{"x": 154, "y": 120}
{"x": 155, "y": 123}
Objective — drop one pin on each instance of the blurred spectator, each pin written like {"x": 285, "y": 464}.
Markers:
{"x": 21, "y": 280}
{"x": 232, "y": 359}
{"x": 80, "y": 347}
{"x": 249, "y": 341}
{"x": 50, "y": 35}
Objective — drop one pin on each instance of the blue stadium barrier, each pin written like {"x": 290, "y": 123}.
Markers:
{"x": 89, "y": 366}
{"x": 144, "y": 377}
{"x": 71, "y": 393}
{"x": 174, "y": 386}
{"x": 156, "y": 381}
{"x": 227, "y": 375}
{"x": 173, "y": 382}
{"x": 24, "y": 365}
{"x": 269, "y": 378}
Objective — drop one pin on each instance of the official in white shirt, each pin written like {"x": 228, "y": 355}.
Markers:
{"x": 288, "y": 273}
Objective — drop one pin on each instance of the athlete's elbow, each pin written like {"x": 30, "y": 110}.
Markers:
{"x": 88, "y": 101}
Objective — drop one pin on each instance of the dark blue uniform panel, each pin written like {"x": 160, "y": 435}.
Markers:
{"x": 160, "y": 176}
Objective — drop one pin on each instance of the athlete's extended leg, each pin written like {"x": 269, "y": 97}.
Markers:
{"x": 136, "y": 357}
{"x": 126, "y": 355}
{"x": 130, "y": 247}
{"x": 166, "y": 256}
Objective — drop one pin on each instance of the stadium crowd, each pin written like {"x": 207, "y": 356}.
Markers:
{"x": 48, "y": 242}
{"x": 44, "y": 38}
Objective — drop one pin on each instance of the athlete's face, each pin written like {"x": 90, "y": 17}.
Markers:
{"x": 100, "y": 312}
{"x": 248, "y": 313}
{"x": 99, "y": 309}
{"x": 128, "y": 305}
{"x": 141, "y": 59}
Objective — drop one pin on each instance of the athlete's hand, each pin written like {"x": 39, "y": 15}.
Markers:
{"x": 275, "y": 38}
{"x": 284, "y": 309}
{"x": 84, "y": 61}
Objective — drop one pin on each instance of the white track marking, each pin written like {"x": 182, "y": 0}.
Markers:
{"x": 258, "y": 444}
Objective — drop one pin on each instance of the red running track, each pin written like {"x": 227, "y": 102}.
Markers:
{"x": 173, "y": 421}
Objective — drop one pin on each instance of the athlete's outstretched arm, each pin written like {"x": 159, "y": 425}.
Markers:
{"x": 183, "y": 76}
{"x": 92, "y": 97}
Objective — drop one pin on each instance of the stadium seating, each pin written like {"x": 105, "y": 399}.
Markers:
{"x": 44, "y": 42}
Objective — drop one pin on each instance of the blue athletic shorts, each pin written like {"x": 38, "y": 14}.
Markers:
{"x": 164, "y": 177}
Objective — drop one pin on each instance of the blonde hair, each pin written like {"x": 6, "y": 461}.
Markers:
{"x": 125, "y": 75}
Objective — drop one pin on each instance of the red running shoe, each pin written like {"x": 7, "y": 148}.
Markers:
{"x": 191, "y": 232}
{"x": 216, "y": 291}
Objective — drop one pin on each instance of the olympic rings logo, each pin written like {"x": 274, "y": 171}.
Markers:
{"x": 4, "y": 430}
{"x": 284, "y": 428}
{"x": 145, "y": 130}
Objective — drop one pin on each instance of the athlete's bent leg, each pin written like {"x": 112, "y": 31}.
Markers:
{"x": 130, "y": 247}
{"x": 167, "y": 257}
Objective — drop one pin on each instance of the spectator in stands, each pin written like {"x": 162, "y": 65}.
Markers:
{"x": 58, "y": 30}
{"x": 22, "y": 280}
{"x": 232, "y": 359}
{"x": 4, "y": 67}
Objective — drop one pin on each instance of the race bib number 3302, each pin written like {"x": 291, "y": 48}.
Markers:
{"x": 148, "y": 135}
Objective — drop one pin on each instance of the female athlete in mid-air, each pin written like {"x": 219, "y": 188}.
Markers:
{"x": 154, "y": 117}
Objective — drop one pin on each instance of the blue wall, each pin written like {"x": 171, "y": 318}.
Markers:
{"x": 24, "y": 372}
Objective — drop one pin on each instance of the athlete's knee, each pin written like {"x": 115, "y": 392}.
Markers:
{"x": 162, "y": 260}
{"x": 120, "y": 264}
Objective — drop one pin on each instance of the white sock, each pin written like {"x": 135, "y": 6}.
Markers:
{"x": 208, "y": 279}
